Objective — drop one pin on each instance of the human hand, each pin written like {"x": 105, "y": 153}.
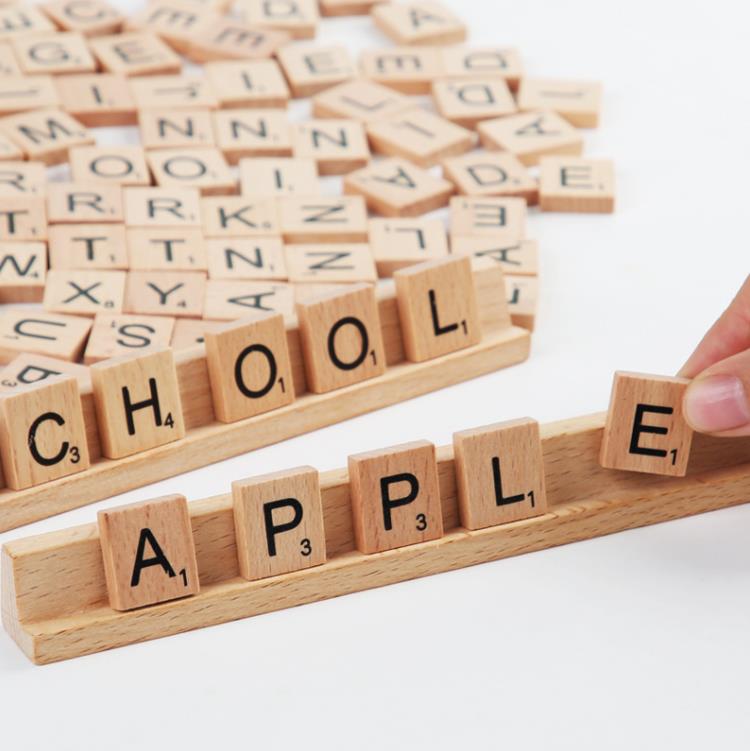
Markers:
{"x": 717, "y": 399}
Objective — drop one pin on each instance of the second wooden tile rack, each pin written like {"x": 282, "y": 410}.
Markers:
{"x": 54, "y": 596}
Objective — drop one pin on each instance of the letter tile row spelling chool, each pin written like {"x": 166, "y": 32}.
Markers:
{"x": 136, "y": 398}
{"x": 148, "y": 548}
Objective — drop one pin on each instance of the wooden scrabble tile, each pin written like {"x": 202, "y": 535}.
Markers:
{"x": 148, "y": 552}
{"x": 410, "y": 70}
{"x": 87, "y": 246}
{"x": 249, "y": 367}
{"x": 23, "y": 270}
{"x": 166, "y": 249}
{"x": 189, "y": 332}
{"x": 395, "y": 497}
{"x": 89, "y": 17}
{"x": 114, "y": 335}
{"x": 97, "y": 100}
{"x": 29, "y": 369}
{"x": 278, "y": 522}
{"x": 520, "y": 258}
{"x": 279, "y": 177}
{"x": 309, "y": 292}
{"x": 8, "y": 63}
{"x": 248, "y": 84}
{"x": 173, "y": 92}
{"x": 522, "y": 295}
{"x": 347, "y": 7}
{"x": 54, "y": 53}
{"x": 220, "y": 6}
{"x": 468, "y": 101}
{"x": 323, "y": 219}
{"x": 246, "y": 258}
{"x": 499, "y": 473}
{"x": 338, "y": 263}
{"x": 336, "y": 146}
{"x": 162, "y": 207}
{"x": 78, "y": 292}
{"x": 239, "y": 216}
{"x": 360, "y": 100}
{"x": 310, "y": 69}
{"x": 341, "y": 338}
{"x": 174, "y": 21}
{"x": 482, "y": 62}
{"x": 19, "y": 93}
{"x": 251, "y": 133}
{"x": 23, "y": 218}
{"x": 579, "y": 102}
{"x": 137, "y": 53}
{"x": 175, "y": 129}
{"x": 137, "y": 402}
{"x": 229, "y": 39}
{"x": 574, "y": 184}
{"x": 45, "y": 135}
{"x": 228, "y": 300}
{"x": 204, "y": 168}
{"x": 398, "y": 243}
{"x": 423, "y": 22}
{"x": 113, "y": 165}
{"x": 496, "y": 217}
{"x": 299, "y": 18}
{"x": 396, "y": 187}
{"x": 419, "y": 136}
{"x": 22, "y": 179}
{"x": 43, "y": 436}
{"x": 491, "y": 174}
{"x": 531, "y": 135}
{"x": 9, "y": 151}
{"x": 437, "y": 308}
{"x": 165, "y": 293}
{"x": 27, "y": 331}
{"x": 18, "y": 20}
{"x": 82, "y": 202}
{"x": 646, "y": 430}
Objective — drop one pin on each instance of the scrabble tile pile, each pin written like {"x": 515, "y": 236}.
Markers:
{"x": 210, "y": 226}
{"x": 219, "y": 211}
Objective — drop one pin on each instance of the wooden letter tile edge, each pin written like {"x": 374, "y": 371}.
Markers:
{"x": 54, "y": 616}
{"x": 209, "y": 441}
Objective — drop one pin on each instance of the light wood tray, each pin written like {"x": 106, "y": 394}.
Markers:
{"x": 54, "y": 600}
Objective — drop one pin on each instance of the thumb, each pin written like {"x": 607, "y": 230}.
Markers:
{"x": 717, "y": 400}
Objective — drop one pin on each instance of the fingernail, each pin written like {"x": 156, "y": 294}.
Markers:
{"x": 716, "y": 403}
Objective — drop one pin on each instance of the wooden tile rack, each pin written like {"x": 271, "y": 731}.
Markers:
{"x": 54, "y": 599}
{"x": 209, "y": 441}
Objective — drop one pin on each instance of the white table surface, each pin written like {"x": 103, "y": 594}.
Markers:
{"x": 637, "y": 640}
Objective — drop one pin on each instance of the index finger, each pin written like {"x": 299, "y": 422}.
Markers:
{"x": 728, "y": 336}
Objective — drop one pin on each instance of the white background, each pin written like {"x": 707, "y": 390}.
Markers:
{"x": 636, "y": 640}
